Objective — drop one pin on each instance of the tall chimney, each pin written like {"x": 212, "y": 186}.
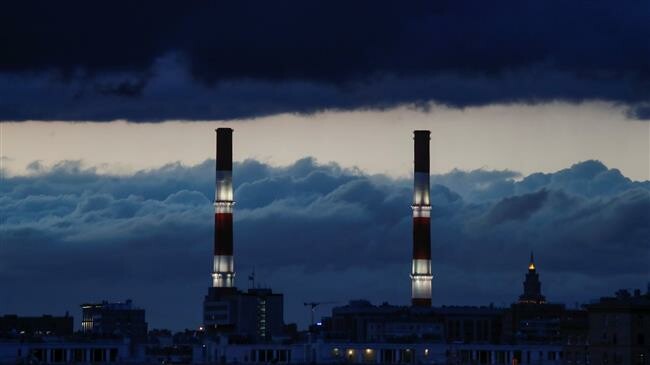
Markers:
{"x": 223, "y": 274}
{"x": 421, "y": 268}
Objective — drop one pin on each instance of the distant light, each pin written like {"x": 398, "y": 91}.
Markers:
{"x": 319, "y": 323}
{"x": 201, "y": 328}
{"x": 531, "y": 266}
{"x": 350, "y": 352}
{"x": 426, "y": 352}
{"x": 368, "y": 351}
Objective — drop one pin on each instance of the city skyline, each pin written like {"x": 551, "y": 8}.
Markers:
{"x": 539, "y": 119}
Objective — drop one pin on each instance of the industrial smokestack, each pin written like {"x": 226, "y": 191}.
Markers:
{"x": 421, "y": 265}
{"x": 223, "y": 274}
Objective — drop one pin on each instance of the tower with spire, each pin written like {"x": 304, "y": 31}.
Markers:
{"x": 532, "y": 286}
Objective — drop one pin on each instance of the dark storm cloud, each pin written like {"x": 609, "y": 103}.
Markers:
{"x": 315, "y": 232}
{"x": 106, "y": 60}
{"x": 516, "y": 208}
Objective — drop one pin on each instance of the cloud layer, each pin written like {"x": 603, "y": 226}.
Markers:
{"x": 149, "y": 61}
{"x": 314, "y": 232}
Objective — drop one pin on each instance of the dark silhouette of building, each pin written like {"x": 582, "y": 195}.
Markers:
{"x": 465, "y": 324}
{"x": 12, "y": 325}
{"x": 575, "y": 330}
{"x": 254, "y": 315}
{"x": 360, "y": 321}
{"x": 619, "y": 329}
{"x": 119, "y": 319}
{"x": 532, "y": 285}
{"x": 534, "y": 323}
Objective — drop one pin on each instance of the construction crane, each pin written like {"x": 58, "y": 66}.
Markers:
{"x": 313, "y": 305}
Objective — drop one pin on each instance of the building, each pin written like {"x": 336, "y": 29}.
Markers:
{"x": 360, "y": 321}
{"x": 478, "y": 325}
{"x": 68, "y": 351}
{"x": 254, "y": 315}
{"x": 619, "y": 329}
{"x": 12, "y": 325}
{"x": 575, "y": 330}
{"x": 504, "y": 354}
{"x": 120, "y": 319}
{"x": 220, "y": 350}
{"x": 334, "y": 352}
{"x": 534, "y": 323}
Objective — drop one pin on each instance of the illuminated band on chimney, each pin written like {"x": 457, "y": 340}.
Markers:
{"x": 223, "y": 274}
{"x": 421, "y": 269}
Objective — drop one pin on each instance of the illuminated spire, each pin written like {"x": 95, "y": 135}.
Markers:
{"x": 531, "y": 266}
{"x": 532, "y": 286}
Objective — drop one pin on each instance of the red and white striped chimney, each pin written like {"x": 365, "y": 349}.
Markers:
{"x": 223, "y": 274}
{"x": 421, "y": 266}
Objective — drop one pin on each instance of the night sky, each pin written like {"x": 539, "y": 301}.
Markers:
{"x": 540, "y": 114}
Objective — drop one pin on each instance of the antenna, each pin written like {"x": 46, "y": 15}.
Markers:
{"x": 251, "y": 279}
{"x": 313, "y": 306}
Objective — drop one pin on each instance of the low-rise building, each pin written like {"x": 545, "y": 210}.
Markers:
{"x": 619, "y": 329}
{"x": 120, "y": 319}
{"x": 12, "y": 325}
{"x": 254, "y": 315}
{"x": 69, "y": 351}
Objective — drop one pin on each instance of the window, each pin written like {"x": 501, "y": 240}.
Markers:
{"x": 262, "y": 356}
